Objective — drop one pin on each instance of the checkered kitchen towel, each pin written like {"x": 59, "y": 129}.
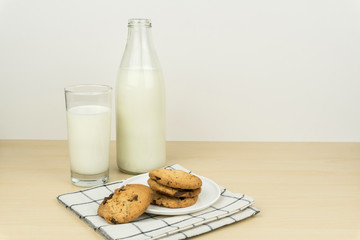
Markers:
{"x": 229, "y": 208}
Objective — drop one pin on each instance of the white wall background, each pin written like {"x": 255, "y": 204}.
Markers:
{"x": 235, "y": 70}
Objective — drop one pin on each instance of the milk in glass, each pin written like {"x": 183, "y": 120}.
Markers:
{"x": 89, "y": 134}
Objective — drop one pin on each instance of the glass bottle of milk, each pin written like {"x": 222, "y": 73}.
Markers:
{"x": 140, "y": 103}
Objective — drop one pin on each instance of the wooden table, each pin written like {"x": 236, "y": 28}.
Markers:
{"x": 304, "y": 190}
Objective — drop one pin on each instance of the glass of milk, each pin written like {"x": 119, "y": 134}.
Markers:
{"x": 88, "y": 111}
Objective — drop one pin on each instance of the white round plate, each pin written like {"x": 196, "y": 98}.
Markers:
{"x": 210, "y": 193}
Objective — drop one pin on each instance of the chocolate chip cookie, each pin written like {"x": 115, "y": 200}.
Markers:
{"x": 175, "y": 178}
{"x": 173, "y": 192}
{"x": 125, "y": 204}
{"x": 172, "y": 202}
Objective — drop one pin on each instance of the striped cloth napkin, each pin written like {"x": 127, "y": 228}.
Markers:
{"x": 228, "y": 209}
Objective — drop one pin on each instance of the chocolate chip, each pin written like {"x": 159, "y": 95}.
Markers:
{"x": 180, "y": 193}
{"x": 135, "y": 198}
{"x": 182, "y": 198}
{"x": 108, "y": 198}
{"x": 113, "y": 221}
{"x": 157, "y": 178}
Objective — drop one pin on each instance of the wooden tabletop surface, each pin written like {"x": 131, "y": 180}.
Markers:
{"x": 303, "y": 190}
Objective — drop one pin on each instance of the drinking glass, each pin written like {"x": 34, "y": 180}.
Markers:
{"x": 88, "y": 111}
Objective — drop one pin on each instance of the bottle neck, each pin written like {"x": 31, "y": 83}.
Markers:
{"x": 139, "y": 51}
{"x": 139, "y": 38}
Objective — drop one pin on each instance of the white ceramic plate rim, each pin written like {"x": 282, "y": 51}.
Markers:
{"x": 208, "y": 186}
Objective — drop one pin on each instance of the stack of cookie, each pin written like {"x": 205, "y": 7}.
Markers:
{"x": 174, "y": 188}
{"x": 168, "y": 188}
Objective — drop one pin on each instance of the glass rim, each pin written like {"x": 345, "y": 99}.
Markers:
{"x": 88, "y": 89}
